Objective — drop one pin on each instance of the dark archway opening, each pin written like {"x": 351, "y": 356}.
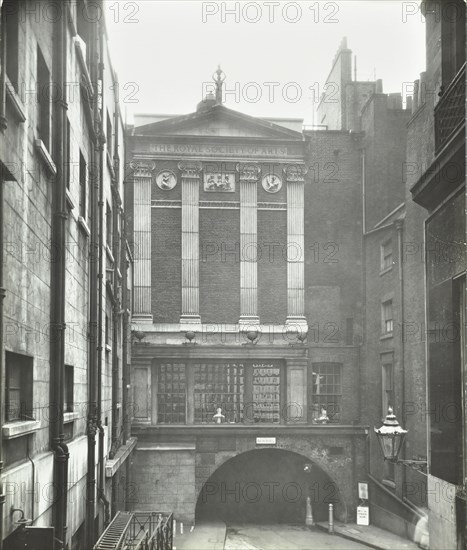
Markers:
{"x": 266, "y": 486}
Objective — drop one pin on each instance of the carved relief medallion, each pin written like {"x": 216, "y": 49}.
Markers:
{"x": 272, "y": 183}
{"x": 166, "y": 180}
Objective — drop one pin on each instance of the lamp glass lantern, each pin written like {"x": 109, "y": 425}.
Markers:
{"x": 391, "y": 437}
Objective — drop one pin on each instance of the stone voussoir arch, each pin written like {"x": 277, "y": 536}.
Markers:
{"x": 312, "y": 455}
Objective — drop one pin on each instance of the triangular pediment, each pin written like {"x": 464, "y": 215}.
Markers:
{"x": 218, "y": 121}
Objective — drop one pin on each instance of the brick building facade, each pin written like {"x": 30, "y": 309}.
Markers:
{"x": 249, "y": 297}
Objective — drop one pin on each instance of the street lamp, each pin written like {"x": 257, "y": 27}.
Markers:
{"x": 391, "y": 437}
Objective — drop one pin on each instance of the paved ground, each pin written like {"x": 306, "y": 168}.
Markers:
{"x": 205, "y": 536}
{"x": 215, "y": 536}
{"x": 284, "y": 537}
{"x": 371, "y": 535}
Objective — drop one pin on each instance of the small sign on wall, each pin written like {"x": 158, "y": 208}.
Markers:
{"x": 363, "y": 515}
{"x": 363, "y": 490}
{"x": 265, "y": 441}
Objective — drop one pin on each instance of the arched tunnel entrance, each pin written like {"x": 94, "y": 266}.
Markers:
{"x": 266, "y": 486}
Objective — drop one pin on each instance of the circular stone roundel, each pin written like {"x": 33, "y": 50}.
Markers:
{"x": 166, "y": 180}
{"x": 272, "y": 183}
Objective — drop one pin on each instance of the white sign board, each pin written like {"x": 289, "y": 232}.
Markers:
{"x": 265, "y": 441}
{"x": 363, "y": 515}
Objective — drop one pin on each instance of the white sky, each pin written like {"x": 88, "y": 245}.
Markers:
{"x": 163, "y": 51}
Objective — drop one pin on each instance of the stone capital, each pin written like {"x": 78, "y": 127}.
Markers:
{"x": 249, "y": 172}
{"x": 142, "y": 168}
{"x": 190, "y": 169}
{"x": 295, "y": 172}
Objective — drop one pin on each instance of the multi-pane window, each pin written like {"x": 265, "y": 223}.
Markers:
{"x": 43, "y": 99}
{"x": 18, "y": 378}
{"x": 218, "y": 385}
{"x": 386, "y": 255}
{"x": 387, "y": 382}
{"x": 387, "y": 317}
{"x": 266, "y": 393}
{"x": 192, "y": 392}
{"x": 325, "y": 391}
{"x": 68, "y": 389}
{"x": 82, "y": 185}
{"x": 171, "y": 393}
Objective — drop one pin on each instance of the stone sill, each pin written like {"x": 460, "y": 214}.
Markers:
{"x": 16, "y": 102}
{"x": 70, "y": 417}
{"x": 22, "y": 427}
{"x": 83, "y": 225}
{"x": 121, "y": 455}
{"x": 386, "y": 336}
{"x": 45, "y": 155}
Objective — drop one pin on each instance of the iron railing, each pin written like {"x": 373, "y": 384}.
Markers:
{"x": 450, "y": 110}
{"x": 138, "y": 531}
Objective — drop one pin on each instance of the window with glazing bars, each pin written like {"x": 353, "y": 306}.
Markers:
{"x": 326, "y": 395}
{"x": 386, "y": 255}
{"x": 386, "y": 317}
{"x": 171, "y": 393}
{"x": 266, "y": 393}
{"x": 218, "y": 385}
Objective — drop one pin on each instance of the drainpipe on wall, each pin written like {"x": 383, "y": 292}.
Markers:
{"x": 116, "y": 310}
{"x": 399, "y": 227}
{"x": 125, "y": 336}
{"x": 100, "y": 347}
{"x": 126, "y": 365}
{"x": 58, "y": 296}
{"x": 116, "y": 314}
{"x": 93, "y": 305}
{"x": 363, "y": 168}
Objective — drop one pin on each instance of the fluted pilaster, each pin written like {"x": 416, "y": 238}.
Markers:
{"x": 191, "y": 172}
{"x": 143, "y": 170}
{"x": 249, "y": 175}
{"x": 295, "y": 178}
